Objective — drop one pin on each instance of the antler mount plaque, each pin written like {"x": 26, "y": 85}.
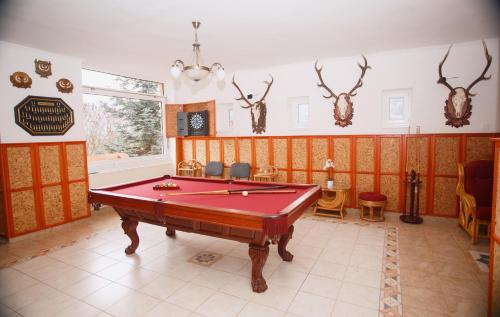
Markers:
{"x": 44, "y": 116}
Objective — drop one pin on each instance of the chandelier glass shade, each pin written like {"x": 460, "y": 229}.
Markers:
{"x": 196, "y": 71}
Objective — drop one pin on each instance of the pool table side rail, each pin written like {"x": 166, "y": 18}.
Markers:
{"x": 268, "y": 224}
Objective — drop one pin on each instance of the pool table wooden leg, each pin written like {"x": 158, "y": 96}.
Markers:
{"x": 170, "y": 232}
{"x": 258, "y": 255}
{"x": 284, "y": 254}
{"x": 129, "y": 227}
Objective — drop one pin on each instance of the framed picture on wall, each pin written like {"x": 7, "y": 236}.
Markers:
{"x": 396, "y": 108}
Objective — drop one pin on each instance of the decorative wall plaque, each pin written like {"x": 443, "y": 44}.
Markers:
{"x": 64, "y": 85}
{"x": 43, "y": 68}
{"x": 20, "y": 80}
{"x": 44, "y": 115}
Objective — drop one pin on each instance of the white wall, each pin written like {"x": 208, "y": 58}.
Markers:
{"x": 15, "y": 58}
{"x": 413, "y": 68}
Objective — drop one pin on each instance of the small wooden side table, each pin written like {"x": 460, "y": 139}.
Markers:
{"x": 266, "y": 174}
{"x": 332, "y": 201}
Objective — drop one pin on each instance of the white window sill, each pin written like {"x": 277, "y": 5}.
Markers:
{"x": 106, "y": 166}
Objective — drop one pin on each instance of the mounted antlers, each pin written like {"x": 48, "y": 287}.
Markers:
{"x": 457, "y": 109}
{"x": 258, "y": 108}
{"x": 343, "y": 110}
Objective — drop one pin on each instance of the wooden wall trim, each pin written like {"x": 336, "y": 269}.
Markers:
{"x": 494, "y": 236}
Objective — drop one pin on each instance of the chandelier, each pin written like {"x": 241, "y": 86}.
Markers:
{"x": 196, "y": 71}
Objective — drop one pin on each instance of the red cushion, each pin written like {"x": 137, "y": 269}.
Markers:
{"x": 478, "y": 181}
{"x": 483, "y": 213}
{"x": 371, "y": 196}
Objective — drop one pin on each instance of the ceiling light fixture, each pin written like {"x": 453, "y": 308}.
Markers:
{"x": 196, "y": 71}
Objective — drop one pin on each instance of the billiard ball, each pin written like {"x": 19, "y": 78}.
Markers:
{"x": 244, "y": 193}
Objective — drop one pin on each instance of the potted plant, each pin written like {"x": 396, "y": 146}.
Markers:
{"x": 329, "y": 166}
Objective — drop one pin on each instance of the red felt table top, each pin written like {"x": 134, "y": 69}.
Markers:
{"x": 262, "y": 203}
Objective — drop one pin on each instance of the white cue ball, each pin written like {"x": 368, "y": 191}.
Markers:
{"x": 244, "y": 193}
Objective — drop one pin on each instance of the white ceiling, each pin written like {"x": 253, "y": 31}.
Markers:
{"x": 143, "y": 37}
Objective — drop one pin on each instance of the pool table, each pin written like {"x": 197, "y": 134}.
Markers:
{"x": 257, "y": 219}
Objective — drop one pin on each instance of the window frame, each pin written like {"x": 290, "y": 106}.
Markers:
{"x": 293, "y": 107}
{"x": 109, "y": 165}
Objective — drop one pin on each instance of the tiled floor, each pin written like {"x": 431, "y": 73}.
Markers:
{"x": 337, "y": 271}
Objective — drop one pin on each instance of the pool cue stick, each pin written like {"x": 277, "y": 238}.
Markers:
{"x": 226, "y": 192}
{"x": 230, "y": 191}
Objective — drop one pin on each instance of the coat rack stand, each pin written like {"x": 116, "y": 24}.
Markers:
{"x": 413, "y": 183}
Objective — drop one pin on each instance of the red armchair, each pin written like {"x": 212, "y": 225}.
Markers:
{"x": 475, "y": 190}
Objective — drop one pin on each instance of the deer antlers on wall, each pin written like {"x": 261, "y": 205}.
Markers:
{"x": 457, "y": 109}
{"x": 258, "y": 109}
{"x": 343, "y": 110}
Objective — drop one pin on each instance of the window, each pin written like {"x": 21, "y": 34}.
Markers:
{"x": 123, "y": 118}
{"x": 225, "y": 117}
{"x": 299, "y": 109}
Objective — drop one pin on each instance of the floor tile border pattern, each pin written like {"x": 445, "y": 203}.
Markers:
{"x": 390, "y": 289}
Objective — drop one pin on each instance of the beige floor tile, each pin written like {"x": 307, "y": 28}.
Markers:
{"x": 133, "y": 305}
{"x": 230, "y": 264}
{"x": 47, "y": 305}
{"x": 276, "y": 297}
{"x": 409, "y": 311}
{"x": 212, "y": 278}
{"x": 12, "y": 281}
{"x": 361, "y": 295}
{"x": 116, "y": 271}
{"x": 322, "y": 286}
{"x": 221, "y": 305}
{"x": 137, "y": 278}
{"x": 34, "y": 264}
{"x": 306, "y": 305}
{"x": 190, "y": 297}
{"x": 86, "y": 286}
{"x": 252, "y": 310}
{"x": 299, "y": 264}
{"x": 186, "y": 271}
{"x": 418, "y": 297}
{"x": 329, "y": 269}
{"x": 238, "y": 286}
{"x": 7, "y": 312}
{"x": 27, "y": 296}
{"x": 107, "y": 296}
{"x": 287, "y": 277}
{"x": 162, "y": 286}
{"x": 66, "y": 278}
{"x": 342, "y": 309}
{"x": 167, "y": 310}
{"x": 97, "y": 264}
{"x": 78, "y": 309}
{"x": 163, "y": 264}
{"x": 363, "y": 276}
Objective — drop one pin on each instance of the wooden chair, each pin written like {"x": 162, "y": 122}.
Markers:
{"x": 371, "y": 201}
{"x": 189, "y": 168}
{"x": 474, "y": 189}
{"x": 266, "y": 174}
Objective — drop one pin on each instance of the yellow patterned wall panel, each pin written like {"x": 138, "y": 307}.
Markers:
{"x": 53, "y": 209}
{"x": 446, "y": 155}
{"x": 299, "y": 177}
{"x": 320, "y": 153}
{"x": 187, "y": 149}
{"x": 478, "y": 148}
{"x": 445, "y": 198}
{"x": 389, "y": 186}
{"x": 229, "y": 150}
{"x": 282, "y": 177}
{"x": 214, "y": 146}
{"x": 50, "y": 165}
{"x": 19, "y": 165}
{"x": 342, "y": 154}
{"x": 319, "y": 178}
{"x": 342, "y": 179}
{"x": 389, "y": 155}
{"x": 245, "y": 148}
{"x": 498, "y": 198}
{"x": 365, "y": 153}
{"x": 299, "y": 153}
{"x": 364, "y": 183}
{"x": 75, "y": 157}
{"x": 78, "y": 200}
{"x": 201, "y": 151}
{"x": 261, "y": 152}
{"x": 417, "y": 154}
{"x": 23, "y": 211}
{"x": 280, "y": 153}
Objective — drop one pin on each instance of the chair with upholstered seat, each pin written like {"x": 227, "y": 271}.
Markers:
{"x": 475, "y": 189}
{"x": 370, "y": 201}
{"x": 214, "y": 169}
{"x": 239, "y": 170}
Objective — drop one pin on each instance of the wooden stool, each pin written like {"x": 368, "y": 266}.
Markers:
{"x": 371, "y": 201}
